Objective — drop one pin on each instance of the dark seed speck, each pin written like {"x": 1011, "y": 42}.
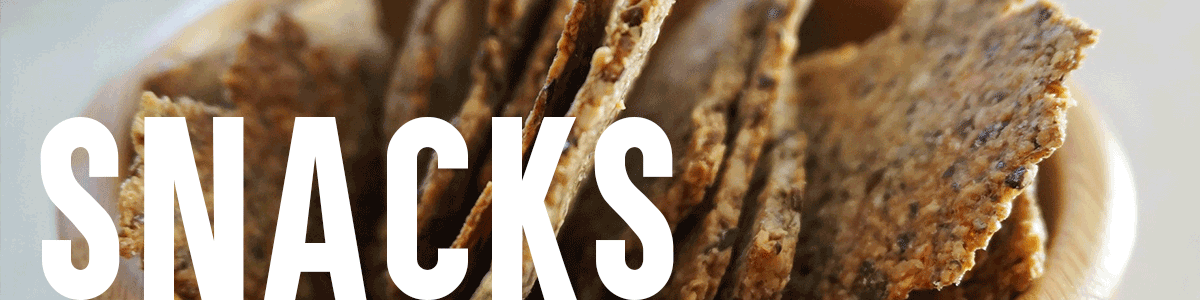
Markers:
{"x": 871, "y": 284}
{"x": 728, "y": 238}
{"x": 765, "y": 82}
{"x": 1043, "y": 15}
{"x": 949, "y": 171}
{"x": 1016, "y": 178}
{"x": 903, "y": 241}
{"x": 633, "y": 16}
{"x": 774, "y": 12}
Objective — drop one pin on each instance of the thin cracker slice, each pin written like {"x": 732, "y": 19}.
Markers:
{"x": 525, "y": 91}
{"x": 435, "y": 56}
{"x": 630, "y": 30}
{"x": 476, "y": 226}
{"x": 705, "y": 256}
{"x": 438, "y": 201}
{"x": 714, "y": 94}
{"x": 764, "y": 262}
{"x": 924, "y": 136}
{"x": 679, "y": 52}
{"x": 528, "y": 87}
{"x": 580, "y": 34}
{"x": 489, "y": 88}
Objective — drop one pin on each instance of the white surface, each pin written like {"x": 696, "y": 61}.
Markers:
{"x": 1142, "y": 74}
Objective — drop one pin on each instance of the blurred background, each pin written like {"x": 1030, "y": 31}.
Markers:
{"x": 1142, "y": 75}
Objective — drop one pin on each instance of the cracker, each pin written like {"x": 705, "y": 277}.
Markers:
{"x": 630, "y": 29}
{"x": 1014, "y": 258}
{"x": 193, "y": 64}
{"x": 475, "y": 228}
{"x": 442, "y": 193}
{"x": 581, "y": 33}
{"x": 922, "y": 137}
{"x": 131, "y": 200}
{"x": 765, "y": 258}
{"x": 434, "y": 61}
{"x": 700, "y": 60}
{"x": 705, "y": 255}
{"x": 275, "y": 77}
{"x": 529, "y": 84}
{"x": 704, "y": 133}
{"x": 489, "y": 89}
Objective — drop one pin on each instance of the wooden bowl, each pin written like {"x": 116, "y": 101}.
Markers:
{"x": 1085, "y": 190}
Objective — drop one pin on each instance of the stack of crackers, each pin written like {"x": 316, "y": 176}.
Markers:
{"x": 832, "y": 149}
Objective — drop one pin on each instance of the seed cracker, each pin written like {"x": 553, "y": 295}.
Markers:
{"x": 438, "y": 201}
{"x": 131, "y": 198}
{"x": 705, "y": 134}
{"x": 630, "y": 29}
{"x": 275, "y": 77}
{"x": 530, "y": 83}
{"x": 488, "y": 89}
{"x": 1014, "y": 258}
{"x": 764, "y": 262}
{"x": 925, "y": 134}
{"x": 705, "y": 255}
{"x": 699, "y": 62}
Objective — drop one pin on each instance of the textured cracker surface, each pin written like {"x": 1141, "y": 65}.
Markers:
{"x": 764, "y": 265}
{"x": 673, "y": 81}
{"x": 699, "y": 136}
{"x": 630, "y": 29}
{"x": 1014, "y": 258}
{"x": 922, "y": 137}
{"x": 444, "y": 194}
{"x": 705, "y": 256}
{"x": 274, "y": 77}
{"x": 131, "y": 199}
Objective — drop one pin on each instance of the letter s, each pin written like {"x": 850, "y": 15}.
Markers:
{"x": 645, "y": 220}
{"x": 80, "y": 208}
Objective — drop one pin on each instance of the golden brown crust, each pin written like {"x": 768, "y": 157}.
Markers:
{"x": 131, "y": 198}
{"x": 925, "y": 134}
{"x": 479, "y": 222}
{"x": 630, "y": 29}
{"x": 705, "y": 256}
{"x": 579, "y": 36}
{"x": 1014, "y": 258}
{"x": 442, "y": 193}
{"x": 529, "y": 84}
{"x": 671, "y": 84}
{"x": 705, "y": 134}
{"x": 489, "y": 88}
{"x": 764, "y": 261}
{"x": 275, "y": 77}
